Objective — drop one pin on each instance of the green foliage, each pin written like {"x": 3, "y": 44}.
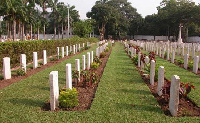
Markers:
{"x": 85, "y": 74}
{"x": 179, "y": 61}
{"x": 21, "y": 72}
{"x": 82, "y": 28}
{"x": 94, "y": 65}
{"x": 75, "y": 74}
{"x": 102, "y": 55}
{"x": 68, "y": 98}
{"x": 94, "y": 77}
{"x": 97, "y": 60}
{"x": 107, "y": 49}
{"x": 190, "y": 64}
{"x": 15, "y": 49}
{"x": 135, "y": 59}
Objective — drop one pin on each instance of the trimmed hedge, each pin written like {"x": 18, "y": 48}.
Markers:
{"x": 15, "y": 49}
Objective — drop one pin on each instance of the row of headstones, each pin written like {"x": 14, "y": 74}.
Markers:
{"x": 175, "y": 83}
{"x": 6, "y": 60}
{"x": 161, "y": 52}
{"x": 53, "y": 76}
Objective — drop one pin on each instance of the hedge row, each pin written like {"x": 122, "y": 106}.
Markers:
{"x": 15, "y": 49}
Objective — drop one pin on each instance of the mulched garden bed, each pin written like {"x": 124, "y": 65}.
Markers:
{"x": 85, "y": 94}
{"x": 29, "y": 72}
{"x": 186, "y": 106}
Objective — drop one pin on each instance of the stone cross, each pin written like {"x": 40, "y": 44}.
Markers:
{"x": 35, "y": 60}
{"x": 174, "y": 95}
{"x": 23, "y": 62}
{"x": 68, "y": 76}
{"x": 195, "y": 64}
{"x": 44, "y": 57}
{"x": 161, "y": 75}
{"x": 83, "y": 62}
{"x": 152, "y": 72}
{"x": 6, "y": 68}
{"x": 54, "y": 90}
{"x": 88, "y": 60}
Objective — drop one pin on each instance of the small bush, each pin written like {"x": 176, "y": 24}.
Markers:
{"x": 21, "y": 72}
{"x": 75, "y": 74}
{"x": 190, "y": 65}
{"x": 94, "y": 77}
{"x": 97, "y": 60}
{"x": 107, "y": 49}
{"x": 102, "y": 55}
{"x": 86, "y": 47}
{"x": 135, "y": 59}
{"x": 94, "y": 65}
{"x": 68, "y": 98}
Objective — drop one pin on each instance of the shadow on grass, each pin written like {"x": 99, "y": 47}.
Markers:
{"x": 27, "y": 102}
{"x": 150, "y": 108}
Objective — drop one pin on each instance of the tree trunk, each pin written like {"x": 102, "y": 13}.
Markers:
{"x": 19, "y": 30}
{"x": 102, "y": 31}
{"x": 44, "y": 32}
{"x": 14, "y": 28}
{"x": 62, "y": 31}
{"x": 58, "y": 31}
{"x": 31, "y": 32}
{"x": 23, "y": 32}
{"x": 54, "y": 31}
{"x": 38, "y": 32}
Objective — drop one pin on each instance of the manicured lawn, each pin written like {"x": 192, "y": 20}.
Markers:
{"x": 122, "y": 96}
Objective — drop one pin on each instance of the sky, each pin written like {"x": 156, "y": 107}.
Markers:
{"x": 144, "y": 7}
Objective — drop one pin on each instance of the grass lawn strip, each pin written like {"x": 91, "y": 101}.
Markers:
{"x": 122, "y": 96}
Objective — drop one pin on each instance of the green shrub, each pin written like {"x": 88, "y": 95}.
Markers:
{"x": 107, "y": 49}
{"x": 68, "y": 98}
{"x": 15, "y": 49}
{"x": 135, "y": 59}
{"x": 97, "y": 60}
{"x": 102, "y": 55}
{"x": 20, "y": 72}
{"x": 94, "y": 65}
{"x": 94, "y": 77}
{"x": 190, "y": 64}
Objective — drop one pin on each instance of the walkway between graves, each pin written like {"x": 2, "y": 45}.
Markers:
{"x": 122, "y": 96}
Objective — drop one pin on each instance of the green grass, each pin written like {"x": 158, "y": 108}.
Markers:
{"x": 122, "y": 96}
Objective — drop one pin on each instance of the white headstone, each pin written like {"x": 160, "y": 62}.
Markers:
{"x": 160, "y": 52}
{"x": 67, "y": 51}
{"x": 83, "y": 45}
{"x": 35, "y": 60}
{"x": 183, "y": 50}
{"x": 83, "y": 62}
{"x": 174, "y": 95}
{"x": 173, "y": 56}
{"x": 74, "y": 49}
{"x": 23, "y": 62}
{"x": 186, "y": 61}
{"x": 196, "y": 64}
{"x": 44, "y": 57}
{"x": 88, "y": 60}
{"x": 97, "y": 51}
{"x": 168, "y": 54}
{"x": 68, "y": 76}
{"x": 54, "y": 90}
{"x": 152, "y": 72}
{"x": 91, "y": 55}
{"x": 70, "y": 49}
{"x": 161, "y": 75}
{"x": 63, "y": 52}
{"x": 139, "y": 55}
{"x": 6, "y": 68}
{"x": 58, "y": 53}
{"x": 193, "y": 52}
{"x": 79, "y": 47}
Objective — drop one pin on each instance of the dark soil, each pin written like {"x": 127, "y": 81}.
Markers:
{"x": 85, "y": 94}
{"x": 29, "y": 72}
{"x": 186, "y": 106}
